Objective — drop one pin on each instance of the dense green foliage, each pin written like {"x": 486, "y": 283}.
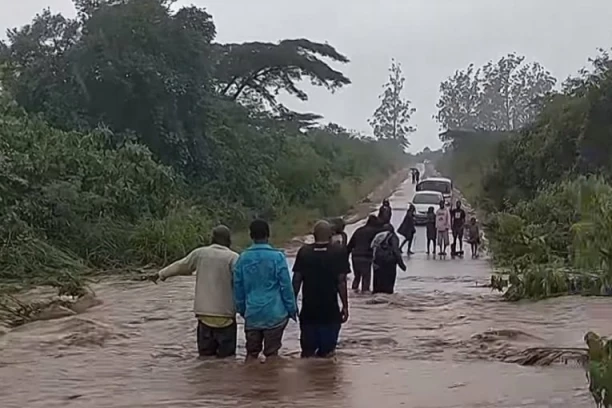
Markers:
{"x": 126, "y": 133}
{"x": 599, "y": 371}
{"x": 547, "y": 191}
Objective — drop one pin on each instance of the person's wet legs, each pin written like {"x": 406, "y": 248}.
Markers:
{"x": 254, "y": 344}
{"x": 273, "y": 340}
{"x": 269, "y": 341}
{"x": 357, "y": 270}
{"x": 318, "y": 340}
{"x": 207, "y": 345}
{"x": 366, "y": 278}
{"x": 458, "y": 240}
{"x": 384, "y": 279}
{"x": 328, "y": 339}
{"x": 213, "y": 341}
{"x": 391, "y": 278}
{"x": 363, "y": 273}
{"x": 377, "y": 284}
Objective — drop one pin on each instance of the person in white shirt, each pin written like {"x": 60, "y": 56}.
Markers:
{"x": 443, "y": 224}
{"x": 214, "y": 297}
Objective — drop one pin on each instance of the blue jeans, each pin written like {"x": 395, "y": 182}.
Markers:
{"x": 318, "y": 340}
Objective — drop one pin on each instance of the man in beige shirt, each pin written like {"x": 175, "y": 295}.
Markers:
{"x": 214, "y": 298}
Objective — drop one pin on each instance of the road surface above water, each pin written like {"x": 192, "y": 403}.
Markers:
{"x": 432, "y": 344}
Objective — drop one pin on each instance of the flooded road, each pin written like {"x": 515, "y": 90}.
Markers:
{"x": 436, "y": 343}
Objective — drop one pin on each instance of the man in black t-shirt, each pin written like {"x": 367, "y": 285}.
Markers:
{"x": 321, "y": 270}
{"x": 457, "y": 226}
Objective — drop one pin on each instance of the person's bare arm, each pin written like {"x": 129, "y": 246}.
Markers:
{"x": 182, "y": 267}
{"x": 343, "y": 292}
{"x": 297, "y": 283}
{"x": 343, "y": 270}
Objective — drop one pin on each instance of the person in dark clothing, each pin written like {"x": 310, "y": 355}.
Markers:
{"x": 387, "y": 257}
{"x": 430, "y": 226}
{"x": 408, "y": 229}
{"x": 417, "y": 176}
{"x": 457, "y": 226}
{"x": 338, "y": 234}
{"x": 474, "y": 236}
{"x": 321, "y": 270}
{"x": 359, "y": 247}
{"x": 385, "y": 212}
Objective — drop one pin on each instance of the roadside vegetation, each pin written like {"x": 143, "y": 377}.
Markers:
{"x": 127, "y": 133}
{"x": 542, "y": 180}
{"x": 537, "y": 164}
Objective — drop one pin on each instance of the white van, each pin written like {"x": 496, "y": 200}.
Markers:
{"x": 440, "y": 184}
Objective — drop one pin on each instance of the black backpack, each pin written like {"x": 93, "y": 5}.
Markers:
{"x": 384, "y": 252}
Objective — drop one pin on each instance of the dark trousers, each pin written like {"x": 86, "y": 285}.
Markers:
{"x": 384, "y": 278}
{"x": 458, "y": 240}
{"x": 318, "y": 340}
{"x": 267, "y": 340}
{"x": 213, "y": 341}
{"x": 362, "y": 267}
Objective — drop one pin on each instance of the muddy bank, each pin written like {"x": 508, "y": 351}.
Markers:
{"x": 40, "y": 305}
{"x": 360, "y": 210}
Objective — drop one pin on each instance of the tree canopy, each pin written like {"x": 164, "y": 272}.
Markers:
{"x": 265, "y": 68}
{"x": 504, "y": 95}
{"x": 126, "y": 132}
{"x": 391, "y": 120}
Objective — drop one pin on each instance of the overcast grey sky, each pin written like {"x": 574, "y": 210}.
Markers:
{"x": 431, "y": 38}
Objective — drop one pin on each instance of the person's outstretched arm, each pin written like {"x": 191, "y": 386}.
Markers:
{"x": 286, "y": 286}
{"x": 239, "y": 292}
{"x": 182, "y": 267}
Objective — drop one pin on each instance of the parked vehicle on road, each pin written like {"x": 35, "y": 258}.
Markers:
{"x": 422, "y": 200}
{"x": 442, "y": 185}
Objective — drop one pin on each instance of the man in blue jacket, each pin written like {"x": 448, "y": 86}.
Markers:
{"x": 263, "y": 293}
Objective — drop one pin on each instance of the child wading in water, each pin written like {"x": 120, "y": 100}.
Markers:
{"x": 474, "y": 237}
{"x": 431, "y": 229}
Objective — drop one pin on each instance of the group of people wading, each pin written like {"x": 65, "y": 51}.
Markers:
{"x": 257, "y": 284}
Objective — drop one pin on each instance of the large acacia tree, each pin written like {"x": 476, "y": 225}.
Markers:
{"x": 261, "y": 70}
{"x": 391, "y": 120}
{"x": 150, "y": 72}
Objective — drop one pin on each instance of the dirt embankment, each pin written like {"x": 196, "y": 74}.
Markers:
{"x": 369, "y": 203}
{"x": 360, "y": 210}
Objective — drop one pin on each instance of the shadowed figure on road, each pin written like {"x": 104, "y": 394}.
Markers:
{"x": 385, "y": 212}
{"x": 407, "y": 229}
{"x": 338, "y": 234}
{"x": 360, "y": 249}
{"x": 457, "y": 226}
{"x": 387, "y": 257}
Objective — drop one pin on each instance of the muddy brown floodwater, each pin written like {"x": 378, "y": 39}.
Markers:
{"x": 436, "y": 343}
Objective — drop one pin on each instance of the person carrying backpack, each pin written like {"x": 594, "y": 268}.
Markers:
{"x": 387, "y": 257}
